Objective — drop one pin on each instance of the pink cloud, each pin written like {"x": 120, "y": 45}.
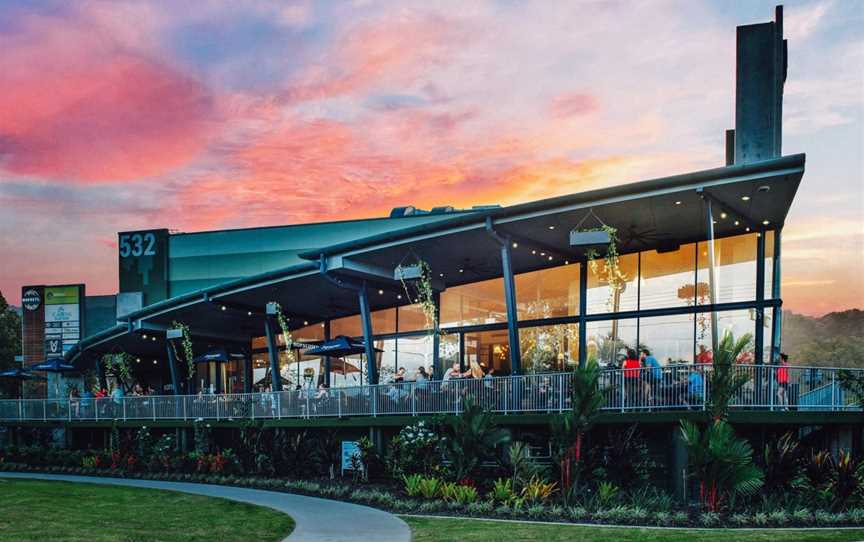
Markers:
{"x": 78, "y": 105}
{"x": 573, "y": 104}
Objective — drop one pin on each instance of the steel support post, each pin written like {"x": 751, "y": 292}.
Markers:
{"x": 366, "y": 322}
{"x": 273, "y": 351}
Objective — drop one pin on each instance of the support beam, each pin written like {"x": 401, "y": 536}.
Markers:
{"x": 273, "y": 351}
{"x": 172, "y": 365}
{"x": 248, "y": 372}
{"x": 758, "y": 338}
{"x": 328, "y": 361}
{"x": 583, "y": 309}
{"x": 436, "y": 334}
{"x": 366, "y": 323}
{"x": 777, "y": 320}
{"x": 712, "y": 282}
{"x": 509, "y": 298}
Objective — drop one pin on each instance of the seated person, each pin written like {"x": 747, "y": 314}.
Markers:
{"x": 695, "y": 387}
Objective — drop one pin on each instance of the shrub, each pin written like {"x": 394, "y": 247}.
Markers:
{"x": 709, "y": 519}
{"x": 503, "y": 510}
{"x": 483, "y": 508}
{"x": 577, "y": 513}
{"x": 471, "y": 437}
{"x": 413, "y": 450}
{"x": 856, "y": 516}
{"x": 537, "y": 491}
{"x": 430, "y": 507}
{"x": 465, "y": 494}
{"x": 502, "y": 491}
{"x": 536, "y": 511}
{"x": 778, "y": 518}
{"x": 607, "y": 493}
{"x": 430, "y": 487}
{"x": 760, "y": 519}
{"x": 802, "y": 516}
{"x": 447, "y": 491}
{"x": 739, "y": 519}
{"x": 653, "y": 499}
{"x": 412, "y": 484}
{"x": 823, "y": 518}
{"x": 663, "y": 519}
{"x": 680, "y": 518}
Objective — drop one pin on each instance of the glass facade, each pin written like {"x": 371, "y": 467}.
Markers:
{"x": 662, "y": 305}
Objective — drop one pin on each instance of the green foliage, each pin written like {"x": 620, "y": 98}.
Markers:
{"x": 502, "y": 491}
{"x": 723, "y": 381}
{"x": 721, "y": 462}
{"x": 471, "y": 438}
{"x": 429, "y": 487}
{"x": 523, "y": 466}
{"x": 538, "y": 491}
{"x": 423, "y": 294}
{"x": 10, "y": 345}
{"x": 412, "y": 484}
{"x": 781, "y": 463}
{"x": 847, "y": 480}
{"x": 414, "y": 450}
{"x": 186, "y": 344}
{"x": 119, "y": 365}
{"x": 853, "y": 382}
{"x": 607, "y": 493}
{"x": 203, "y": 437}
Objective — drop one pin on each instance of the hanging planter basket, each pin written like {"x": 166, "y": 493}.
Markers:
{"x": 589, "y": 239}
{"x": 408, "y": 272}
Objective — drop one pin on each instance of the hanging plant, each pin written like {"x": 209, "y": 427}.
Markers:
{"x": 282, "y": 320}
{"x": 186, "y": 344}
{"x": 612, "y": 273}
{"x": 422, "y": 293}
{"x": 118, "y": 365}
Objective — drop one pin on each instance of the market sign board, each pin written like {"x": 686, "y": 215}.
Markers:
{"x": 62, "y": 318}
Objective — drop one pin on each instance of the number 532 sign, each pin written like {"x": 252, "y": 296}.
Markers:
{"x": 144, "y": 263}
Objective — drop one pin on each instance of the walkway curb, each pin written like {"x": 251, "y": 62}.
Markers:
{"x": 316, "y": 520}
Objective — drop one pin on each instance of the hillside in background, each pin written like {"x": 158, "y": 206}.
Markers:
{"x": 836, "y": 339}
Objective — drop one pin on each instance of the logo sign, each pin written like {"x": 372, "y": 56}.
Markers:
{"x": 351, "y": 455}
{"x": 143, "y": 257}
{"x": 53, "y": 348}
{"x": 31, "y": 299}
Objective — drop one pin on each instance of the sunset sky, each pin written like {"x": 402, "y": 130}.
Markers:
{"x": 204, "y": 115}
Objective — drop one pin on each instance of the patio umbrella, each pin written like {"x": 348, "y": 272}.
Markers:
{"x": 338, "y": 347}
{"x": 219, "y": 354}
{"x": 19, "y": 373}
{"x": 56, "y": 365}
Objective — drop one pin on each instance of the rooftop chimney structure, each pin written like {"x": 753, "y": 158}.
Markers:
{"x": 761, "y": 63}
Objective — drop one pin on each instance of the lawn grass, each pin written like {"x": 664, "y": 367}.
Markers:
{"x": 39, "y": 510}
{"x": 468, "y": 530}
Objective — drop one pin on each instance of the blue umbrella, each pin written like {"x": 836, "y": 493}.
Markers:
{"x": 56, "y": 365}
{"x": 219, "y": 354}
{"x": 339, "y": 346}
{"x": 20, "y": 374}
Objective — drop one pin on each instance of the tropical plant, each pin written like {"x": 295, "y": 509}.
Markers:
{"x": 721, "y": 462}
{"x": 412, "y": 484}
{"x": 724, "y": 381}
{"x": 538, "y": 491}
{"x": 846, "y": 479}
{"x": 502, "y": 491}
{"x": 119, "y": 365}
{"x": 429, "y": 488}
{"x": 470, "y": 438}
{"x": 413, "y": 450}
{"x": 282, "y": 320}
{"x": 186, "y": 344}
{"x": 569, "y": 429}
{"x": 615, "y": 278}
{"x": 624, "y": 459}
{"x": 523, "y": 466}
{"x": 781, "y": 463}
{"x": 607, "y": 493}
{"x": 853, "y": 382}
{"x": 423, "y": 294}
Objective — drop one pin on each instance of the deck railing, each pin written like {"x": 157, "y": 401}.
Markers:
{"x": 683, "y": 387}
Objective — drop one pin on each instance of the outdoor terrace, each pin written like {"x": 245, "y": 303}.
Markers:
{"x": 679, "y": 388}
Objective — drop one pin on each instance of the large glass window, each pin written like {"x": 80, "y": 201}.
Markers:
{"x": 668, "y": 338}
{"x": 448, "y": 351}
{"x": 310, "y": 333}
{"x": 415, "y": 352}
{"x": 386, "y": 359}
{"x": 666, "y": 279}
{"x": 735, "y": 268}
{"x": 736, "y": 322}
{"x": 603, "y": 298}
{"x": 383, "y": 321}
{"x": 490, "y": 349}
{"x": 609, "y": 340}
{"x": 473, "y": 304}
{"x": 412, "y": 318}
{"x": 548, "y": 293}
{"x": 549, "y": 348}
{"x": 349, "y": 326}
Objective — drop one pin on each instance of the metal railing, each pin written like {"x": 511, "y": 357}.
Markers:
{"x": 680, "y": 387}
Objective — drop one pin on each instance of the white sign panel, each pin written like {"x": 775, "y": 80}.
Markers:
{"x": 62, "y": 313}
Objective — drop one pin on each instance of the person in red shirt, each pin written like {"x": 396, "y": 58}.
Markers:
{"x": 704, "y": 357}
{"x": 632, "y": 378}
{"x": 782, "y": 378}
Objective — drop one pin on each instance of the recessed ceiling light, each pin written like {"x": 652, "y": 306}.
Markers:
{"x": 223, "y": 307}
{"x": 766, "y": 222}
{"x": 551, "y": 227}
{"x": 736, "y": 223}
{"x": 461, "y": 270}
{"x": 380, "y": 292}
{"x": 515, "y": 245}
{"x": 723, "y": 215}
{"x": 677, "y": 203}
{"x": 137, "y": 360}
{"x": 533, "y": 252}
{"x": 305, "y": 322}
{"x": 550, "y": 258}
{"x": 566, "y": 262}
{"x": 745, "y": 198}
{"x": 144, "y": 336}
{"x": 764, "y": 188}
{"x": 542, "y": 253}
{"x": 747, "y": 229}
{"x": 398, "y": 296}
{"x": 440, "y": 274}
{"x": 153, "y": 338}
{"x": 154, "y": 362}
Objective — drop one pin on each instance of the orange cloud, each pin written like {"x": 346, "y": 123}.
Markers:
{"x": 78, "y": 105}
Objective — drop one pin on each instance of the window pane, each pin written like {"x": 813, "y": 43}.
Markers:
{"x": 348, "y": 326}
{"x": 490, "y": 349}
{"x": 448, "y": 351}
{"x": 549, "y": 348}
{"x": 414, "y": 352}
{"x": 386, "y": 359}
{"x": 548, "y": 293}
{"x": 669, "y": 338}
{"x": 601, "y": 298}
{"x": 735, "y": 270}
{"x": 472, "y": 304}
{"x": 666, "y": 280}
{"x": 383, "y": 321}
{"x": 608, "y": 341}
{"x": 412, "y": 318}
{"x": 769, "y": 264}
{"x": 736, "y": 322}
{"x": 310, "y": 333}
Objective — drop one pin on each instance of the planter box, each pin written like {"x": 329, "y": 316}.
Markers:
{"x": 589, "y": 239}
{"x": 408, "y": 272}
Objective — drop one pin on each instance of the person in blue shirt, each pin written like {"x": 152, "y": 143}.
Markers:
{"x": 695, "y": 387}
{"x": 655, "y": 374}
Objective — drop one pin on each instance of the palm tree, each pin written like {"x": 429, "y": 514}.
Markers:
{"x": 722, "y": 462}
{"x": 472, "y": 437}
{"x": 569, "y": 428}
{"x": 724, "y": 382}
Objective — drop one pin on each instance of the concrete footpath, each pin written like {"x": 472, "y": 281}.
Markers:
{"x": 317, "y": 520}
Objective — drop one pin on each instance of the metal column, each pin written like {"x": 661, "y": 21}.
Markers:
{"x": 172, "y": 366}
{"x": 583, "y": 309}
{"x": 758, "y": 338}
{"x": 436, "y": 334}
{"x": 512, "y": 316}
{"x": 777, "y": 320}
{"x": 712, "y": 283}
{"x": 328, "y": 361}
{"x": 248, "y": 371}
{"x": 366, "y": 322}
{"x": 273, "y": 351}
